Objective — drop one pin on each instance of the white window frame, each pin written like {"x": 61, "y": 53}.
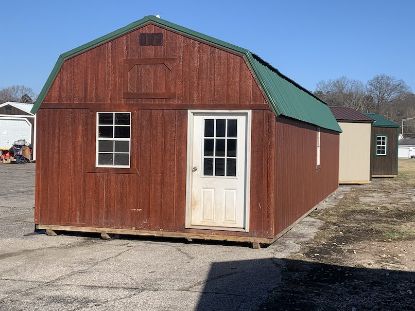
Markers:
{"x": 98, "y": 139}
{"x": 318, "y": 150}
{"x": 383, "y": 143}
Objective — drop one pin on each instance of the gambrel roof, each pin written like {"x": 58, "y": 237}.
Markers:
{"x": 286, "y": 97}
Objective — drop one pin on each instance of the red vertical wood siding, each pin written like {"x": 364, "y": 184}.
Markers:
{"x": 202, "y": 74}
{"x": 152, "y": 194}
{"x": 300, "y": 183}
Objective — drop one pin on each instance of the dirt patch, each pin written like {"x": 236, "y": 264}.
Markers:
{"x": 363, "y": 257}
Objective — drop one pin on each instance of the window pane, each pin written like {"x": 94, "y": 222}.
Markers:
{"x": 231, "y": 148}
{"x": 220, "y": 148}
{"x": 122, "y": 119}
{"x": 106, "y": 118}
{"x": 122, "y": 146}
{"x": 230, "y": 167}
{"x": 381, "y": 150}
{"x": 381, "y": 140}
{"x": 208, "y": 167}
{"x": 122, "y": 132}
{"x": 105, "y": 159}
{"x": 105, "y": 146}
{"x": 219, "y": 167}
{"x": 220, "y": 127}
{"x": 232, "y": 131}
{"x": 121, "y": 159}
{"x": 208, "y": 149}
{"x": 209, "y": 128}
{"x": 105, "y": 131}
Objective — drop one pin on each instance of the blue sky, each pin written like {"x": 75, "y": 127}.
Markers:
{"x": 309, "y": 41}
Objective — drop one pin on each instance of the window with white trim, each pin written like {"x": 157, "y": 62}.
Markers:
{"x": 381, "y": 142}
{"x": 113, "y": 139}
{"x": 318, "y": 146}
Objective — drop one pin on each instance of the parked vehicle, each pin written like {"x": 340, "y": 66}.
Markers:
{"x": 19, "y": 153}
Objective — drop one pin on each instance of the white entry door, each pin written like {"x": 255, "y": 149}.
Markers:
{"x": 218, "y": 170}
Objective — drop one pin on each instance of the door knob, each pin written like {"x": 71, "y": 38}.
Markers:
{"x": 194, "y": 169}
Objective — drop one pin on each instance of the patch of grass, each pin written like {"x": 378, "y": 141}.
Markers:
{"x": 399, "y": 234}
{"x": 394, "y": 235}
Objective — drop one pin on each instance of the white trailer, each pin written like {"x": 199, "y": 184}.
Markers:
{"x": 406, "y": 148}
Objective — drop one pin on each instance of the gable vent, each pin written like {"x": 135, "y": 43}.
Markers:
{"x": 151, "y": 39}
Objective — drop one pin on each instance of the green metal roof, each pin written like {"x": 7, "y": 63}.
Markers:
{"x": 286, "y": 97}
{"x": 380, "y": 120}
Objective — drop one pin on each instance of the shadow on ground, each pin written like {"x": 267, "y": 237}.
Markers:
{"x": 302, "y": 285}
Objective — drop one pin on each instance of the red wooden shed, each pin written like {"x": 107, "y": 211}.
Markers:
{"x": 155, "y": 129}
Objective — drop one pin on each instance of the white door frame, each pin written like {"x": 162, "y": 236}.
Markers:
{"x": 189, "y": 166}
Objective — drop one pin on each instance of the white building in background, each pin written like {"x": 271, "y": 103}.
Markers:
{"x": 406, "y": 148}
{"x": 17, "y": 123}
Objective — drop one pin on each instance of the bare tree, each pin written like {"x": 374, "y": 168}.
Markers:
{"x": 344, "y": 92}
{"x": 402, "y": 108}
{"x": 385, "y": 89}
{"x": 17, "y": 93}
{"x": 382, "y": 94}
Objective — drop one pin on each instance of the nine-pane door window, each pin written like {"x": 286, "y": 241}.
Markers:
{"x": 219, "y": 147}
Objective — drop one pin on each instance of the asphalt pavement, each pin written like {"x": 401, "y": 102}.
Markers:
{"x": 83, "y": 272}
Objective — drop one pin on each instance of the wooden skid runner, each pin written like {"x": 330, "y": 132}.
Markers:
{"x": 354, "y": 182}
{"x": 166, "y": 234}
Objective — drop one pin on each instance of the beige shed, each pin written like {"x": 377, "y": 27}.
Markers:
{"x": 355, "y": 142}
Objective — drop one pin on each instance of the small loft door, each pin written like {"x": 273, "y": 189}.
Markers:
{"x": 218, "y": 170}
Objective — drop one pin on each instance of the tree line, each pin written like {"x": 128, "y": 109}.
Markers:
{"x": 17, "y": 93}
{"x": 382, "y": 94}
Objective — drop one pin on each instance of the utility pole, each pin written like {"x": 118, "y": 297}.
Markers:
{"x": 407, "y": 119}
